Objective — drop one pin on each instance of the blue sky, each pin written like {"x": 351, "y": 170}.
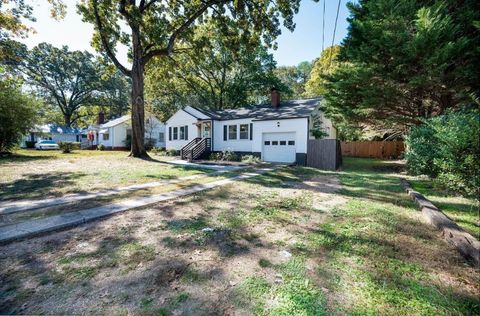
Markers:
{"x": 305, "y": 43}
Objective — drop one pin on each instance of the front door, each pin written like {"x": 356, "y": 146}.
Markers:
{"x": 206, "y": 129}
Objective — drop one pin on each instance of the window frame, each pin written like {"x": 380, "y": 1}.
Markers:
{"x": 103, "y": 136}
{"x": 230, "y": 133}
{"x": 175, "y": 133}
{"x": 161, "y": 137}
{"x": 247, "y": 131}
{"x": 181, "y": 133}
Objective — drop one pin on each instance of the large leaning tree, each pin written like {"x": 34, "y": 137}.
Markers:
{"x": 152, "y": 28}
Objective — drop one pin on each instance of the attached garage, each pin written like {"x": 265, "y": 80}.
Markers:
{"x": 279, "y": 147}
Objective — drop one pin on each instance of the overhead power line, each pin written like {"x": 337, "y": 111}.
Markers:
{"x": 323, "y": 26}
{"x": 334, "y": 31}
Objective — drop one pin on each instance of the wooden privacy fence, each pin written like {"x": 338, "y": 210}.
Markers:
{"x": 324, "y": 154}
{"x": 373, "y": 149}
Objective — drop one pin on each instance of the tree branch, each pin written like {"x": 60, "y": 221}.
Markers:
{"x": 105, "y": 43}
{"x": 171, "y": 42}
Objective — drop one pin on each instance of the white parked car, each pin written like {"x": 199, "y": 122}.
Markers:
{"x": 46, "y": 144}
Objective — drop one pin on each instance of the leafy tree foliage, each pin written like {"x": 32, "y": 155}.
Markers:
{"x": 317, "y": 129}
{"x": 210, "y": 75}
{"x": 63, "y": 78}
{"x": 13, "y": 14}
{"x": 294, "y": 77}
{"x": 156, "y": 26}
{"x": 18, "y": 113}
{"x": 323, "y": 66}
{"x": 404, "y": 61}
{"x": 447, "y": 148}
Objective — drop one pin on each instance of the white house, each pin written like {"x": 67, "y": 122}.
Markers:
{"x": 54, "y": 132}
{"x": 276, "y": 132}
{"x": 114, "y": 134}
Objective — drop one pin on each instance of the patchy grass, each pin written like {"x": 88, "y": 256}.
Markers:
{"x": 381, "y": 258}
{"x": 290, "y": 242}
{"x": 37, "y": 174}
{"x": 465, "y": 212}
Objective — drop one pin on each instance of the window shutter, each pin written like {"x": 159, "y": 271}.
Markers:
{"x": 251, "y": 131}
{"x": 225, "y": 132}
{"x": 169, "y": 133}
{"x": 186, "y": 132}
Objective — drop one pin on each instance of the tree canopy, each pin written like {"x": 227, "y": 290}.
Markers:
{"x": 294, "y": 78}
{"x": 210, "y": 75}
{"x": 18, "y": 113}
{"x": 63, "y": 78}
{"x": 403, "y": 61}
{"x": 155, "y": 27}
{"x": 323, "y": 66}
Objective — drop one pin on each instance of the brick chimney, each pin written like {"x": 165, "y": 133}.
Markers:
{"x": 100, "y": 118}
{"x": 275, "y": 97}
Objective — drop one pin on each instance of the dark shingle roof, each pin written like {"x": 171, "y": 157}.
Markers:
{"x": 286, "y": 110}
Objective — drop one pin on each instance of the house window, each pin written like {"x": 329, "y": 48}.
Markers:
{"x": 243, "y": 131}
{"x": 291, "y": 142}
{"x": 175, "y": 133}
{"x": 232, "y": 131}
{"x": 274, "y": 143}
{"x": 182, "y": 132}
{"x": 161, "y": 137}
{"x": 283, "y": 143}
{"x": 267, "y": 143}
{"x": 106, "y": 136}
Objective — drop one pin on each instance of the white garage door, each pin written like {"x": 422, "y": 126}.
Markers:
{"x": 279, "y": 147}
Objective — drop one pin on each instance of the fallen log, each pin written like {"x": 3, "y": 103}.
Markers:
{"x": 465, "y": 243}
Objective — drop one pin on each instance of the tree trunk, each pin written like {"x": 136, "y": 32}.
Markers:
{"x": 138, "y": 111}
{"x": 67, "y": 118}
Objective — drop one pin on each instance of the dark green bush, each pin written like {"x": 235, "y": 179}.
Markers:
{"x": 68, "y": 147}
{"x": 101, "y": 147}
{"x": 421, "y": 151}
{"x": 447, "y": 148}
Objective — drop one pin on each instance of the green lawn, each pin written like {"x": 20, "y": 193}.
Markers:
{"x": 37, "y": 174}
{"x": 289, "y": 242}
{"x": 465, "y": 212}
{"x": 382, "y": 259}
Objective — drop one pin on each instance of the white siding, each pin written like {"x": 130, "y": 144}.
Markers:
{"x": 118, "y": 133}
{"x": 180, "y": 118}
{"x": 299, "y": 126}
{"x": 153, "y": 129}
{"x": 244, "y": 145}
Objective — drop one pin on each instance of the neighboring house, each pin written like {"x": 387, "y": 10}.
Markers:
{"x": 114, "y": 134}
{"x": 54, "y": 132}
{"x": 276, "y": 132}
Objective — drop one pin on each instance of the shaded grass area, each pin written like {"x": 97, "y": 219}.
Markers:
{"x": 256, "y": 247}
{"x": 465, "y": 212}
{"x": 381, "y": 258}
{"x": 30, "y": 174}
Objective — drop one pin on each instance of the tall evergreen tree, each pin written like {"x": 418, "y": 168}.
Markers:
{"x": 403, "y": 61}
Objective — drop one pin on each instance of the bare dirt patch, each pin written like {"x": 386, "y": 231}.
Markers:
{"x": 188, "y": 256}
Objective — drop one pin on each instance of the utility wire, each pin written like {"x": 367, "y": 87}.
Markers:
{"x": 334, "y": 31}
{"x": 323, "y": 26}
